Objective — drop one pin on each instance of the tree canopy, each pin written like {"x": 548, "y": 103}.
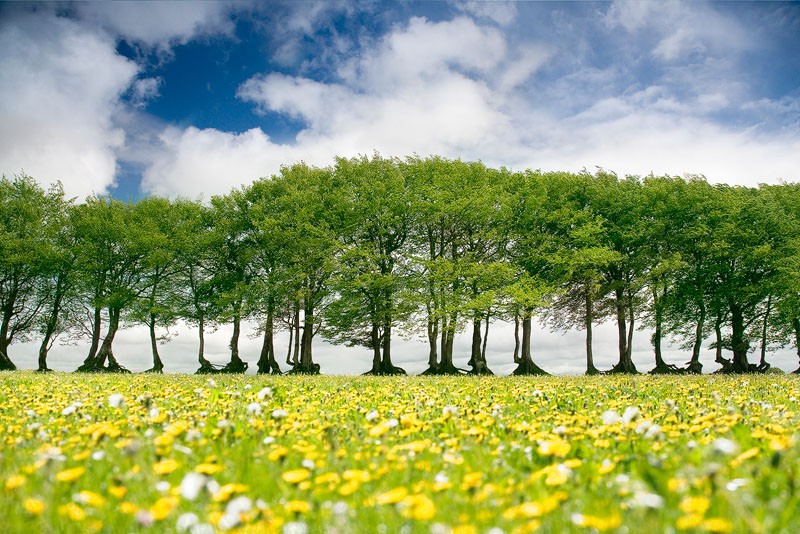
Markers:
{"x": 372, "y": 247}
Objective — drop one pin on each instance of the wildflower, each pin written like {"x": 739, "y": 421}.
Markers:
{"x": 724, "y": 446}
{"x": 70, "y": 475}
{"x": 254, "y": 408}
{"x": 118, "y": 491}
{"x": 611, "y": 417}
{"x": 186, "y": 522}
{"x": 208, "y": 469}
{"x": 694, "y": 505}
{"x": 555, "y": 447}
{"x": 15, "y": 481}
{"x": 296, "y": 476}
{"x": 295, "y": 527}
{"x": 371, "y": 415}
{"x": 72, "y": 511}
{"x": 418, "y": 507}
{"x": 263, "y": 393}
{"x": 279, "y": 414}
{"x": 191, "y": 485}
{"x": 630, "y": 413}
{"x": 163, "y": 507}
{"x": 33, "y": 506}
{"x": 598, "y": 523}
{"x": 116, "y": 400}
{"x": 392, "y": 496}
{"x": 165, "y": 467}
{"x": 298, "y": 507}
{"x": 89, "y": 498}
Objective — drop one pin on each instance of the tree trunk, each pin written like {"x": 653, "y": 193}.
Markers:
{"x": 205, "y": 365}
{"x": 52, "y": 321}
{"x": 5, "y": 362}
{"x": 763, "y": 365}
{"x": 517, "y": 357}
{"x": 796, "y": 325}
{"x": 433, "y": 341}
{"x": 267, "y": 363}
{"x": 291, "y": 341}
{"x": 296, "y": 355}
{"x": 625, "y": 364}
{"x": 588, "y": 319}
{"x": 477, "y": 360}
{"x": 376, "y": 349}
{"x": 235, "y": 365}
{"x": 695, "y": 367}
{"x": 526, "y": 365}
{"x": 98, "y": 363}
{"x": 96, "y": 325}
{"x": 387, "y": 367}
{"x": 158, "y": 365}
{"x": 739, "y": 342}
{"x": 306, "y": 364}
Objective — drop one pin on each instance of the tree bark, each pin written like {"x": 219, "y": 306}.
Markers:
{"x": 476, "y": 360}
{"x": 235, "y": 365}
{"x": 796, "y": 325}
{"x": 5, "y": 362}
{"x": 625, "y": 364}
{"x": 98, "y": 363}
{"x": 517, "y": 357}
{"x": 205, "y": 365}
{"x": 526, "y": 365}
{"x": 588, "y": 319}
{"x": 95, "y": 344}
{"x": 267, "y": 363}
{"x": 52, "y": 321}
{"x": 695, "y": 367}
{"x": 763, "y": 365}
{"x": 306, "y": 364}
{"x": 739, "y": 342}
{"x": 158, "y": 365}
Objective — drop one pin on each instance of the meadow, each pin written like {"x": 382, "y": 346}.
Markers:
{"x": 237, "y": 453}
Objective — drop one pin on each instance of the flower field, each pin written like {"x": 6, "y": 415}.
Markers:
{"x": 434, "y": 455}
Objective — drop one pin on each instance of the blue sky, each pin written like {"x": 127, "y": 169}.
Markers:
{"x": 193, "y": 98}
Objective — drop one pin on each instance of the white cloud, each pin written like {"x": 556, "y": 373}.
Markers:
{"x": 208, "y": 162}
{"x": 59, "y": 87}
{"x": 157, "y": 23}
{"x": 503, "y": 13}
{"x": 145, "y": 89}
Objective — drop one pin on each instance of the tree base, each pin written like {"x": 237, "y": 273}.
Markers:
{"x": 270, "y": 371}
{"x": 443, "y": 370}
{"x": 528, "y": 368}
{"x": 694, "y": 368}
{"x": 44, "y": 370}
{"x": 386, "y": 369}
{"x": 7, "y": 365}
{"x": 796, "y": 371}
{"x": 300, "y": 369}
{"x": 93, "y": 368}
{"x": 667, "y": 369}
{"x": 593, "y": 371}
{"x": 155, "y": 370}
{"x": 625, "y": 368}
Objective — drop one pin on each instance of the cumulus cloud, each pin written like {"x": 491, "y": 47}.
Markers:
{"x": 59, "y": 87}
{"x": 157, "y": 23}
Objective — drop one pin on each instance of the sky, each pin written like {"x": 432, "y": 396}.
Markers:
{"x": 191, "y": 99}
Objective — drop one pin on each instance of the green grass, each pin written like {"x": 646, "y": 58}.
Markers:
{"x": 357, "y": 454}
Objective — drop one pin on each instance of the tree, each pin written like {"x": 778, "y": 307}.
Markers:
{"x": 307, "y": 200}
{"x": 371, "y": 279}
{"x": 156, "y": 220}
{"x": 112, "y": 254}
{"x": 193, "y": 293}
{"x": 579, "y": 254}
{"x": 58, "y": 281}
{"x": 27, "y": 215}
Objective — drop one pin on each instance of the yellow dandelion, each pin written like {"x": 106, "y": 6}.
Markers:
{"x": 419, "y": 507}
{"x": 717, "y": 524}
{"x": 33, "y": 506}
{"x": 356, "y": 475}
{"x": 298, "y": 507}
{"x": 166, "y": 466}
{"x": 15, "y": 481}
{"x": 694, "y": 505}
{"x": 208, "y": 469}
{"x": 72, "y": 511}
{"x": 118, "y": 491}
{"x": 90, "y": 498}
{"x": 296, "y": 476}
{"x": 70, "y": 475}
{"x": 163, "y": 507}
{"x": 392, "y": 496}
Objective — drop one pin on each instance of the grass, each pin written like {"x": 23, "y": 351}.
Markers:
{"x": 420, "y": 454}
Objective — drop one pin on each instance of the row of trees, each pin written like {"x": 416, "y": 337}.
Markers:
{"x": 426, "y": 246}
